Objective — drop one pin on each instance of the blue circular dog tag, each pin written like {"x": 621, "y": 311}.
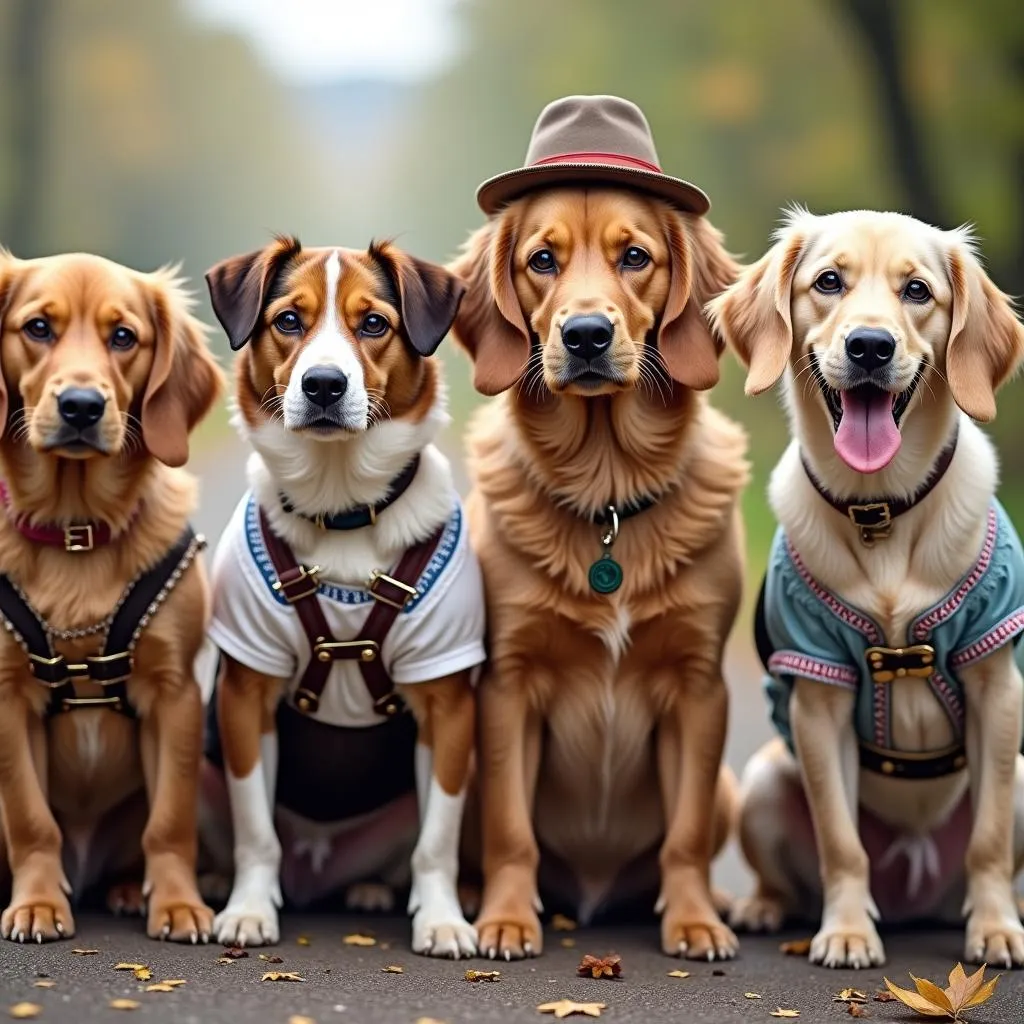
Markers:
{"x": 605, "y": 575}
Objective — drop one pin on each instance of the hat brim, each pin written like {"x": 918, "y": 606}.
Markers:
{"x": 494, "y": 193}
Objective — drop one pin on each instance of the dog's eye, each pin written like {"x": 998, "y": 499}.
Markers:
{"x": 373, "y": 325}
{"x": 829, "y": 282}
{"x": 123, "y": 338}
{"x": 635, "y": 258}
{"x": 543, "y": 261}
{"x": 288, "y": 322}
{"x": 38, "y": 329}
{"x": 917, "y": 291}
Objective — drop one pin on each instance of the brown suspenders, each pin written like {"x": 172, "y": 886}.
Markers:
{"x": 298, "y": 586}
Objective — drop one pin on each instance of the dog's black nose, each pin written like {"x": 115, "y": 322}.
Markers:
{"x": 324, "y": 385}
{"x": 81, "y": 407}
{"x": 587, "y": 336}
{"x": 870, "y": 348}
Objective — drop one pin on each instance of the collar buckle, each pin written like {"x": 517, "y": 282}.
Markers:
{"x": 79, "y": 537}
{"x": 874, "y": 521}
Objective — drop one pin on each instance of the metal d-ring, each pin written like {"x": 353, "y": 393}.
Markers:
{"x": 611, "y": 531}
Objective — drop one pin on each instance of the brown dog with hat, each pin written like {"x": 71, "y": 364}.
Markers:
{"x": 605, "y": 515}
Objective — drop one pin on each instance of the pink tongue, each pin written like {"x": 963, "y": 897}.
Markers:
{"x": 867, "y": 439}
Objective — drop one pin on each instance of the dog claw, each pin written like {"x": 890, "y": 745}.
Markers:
{"x": 508, "y": 955}
{"x": 491, "y": 953}
{"x": 528, "y": 948}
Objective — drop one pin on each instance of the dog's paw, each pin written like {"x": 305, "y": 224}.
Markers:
{"x": 249, "y": 921}
{"x": 126, "y": 900}
{"x": 856, "y": 945}
{"x": 443, "y": 934}
{"x": 370, "y": 897}
{"x": 697, "y": 937}
{"x": 178, "y": 917}
{"x": 758, "y": 913}
{"x": 995, "y": 939}
{"x": 43, "y": 918}
{"x": 510, "y": 935}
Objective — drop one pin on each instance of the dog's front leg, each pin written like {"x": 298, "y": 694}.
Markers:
{"x": 994, "y": 692}
{"x": 39, "y": 910}
{"x": 446, "y": 712}
{"x": 509, "y": 758}
{"x": 826, "y": 748}
{"x": 691, "y": 738}
{"x": 246, "y": 701}
{"x": 171, "y": 739}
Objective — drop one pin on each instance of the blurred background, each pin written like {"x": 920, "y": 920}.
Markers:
{"x": 189, "y": 130}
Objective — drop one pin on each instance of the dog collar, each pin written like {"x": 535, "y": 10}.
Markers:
{"x": 361, "y": 515}
{"x": 84, "y": 536}
{"x": 874, "y": 518}
{"x": 605, "y": 574}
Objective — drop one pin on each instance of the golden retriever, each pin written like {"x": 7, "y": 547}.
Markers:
{"x": 105, "y": 373}
{"x": 603, "y": 711}
{"x": 894, "y": 588}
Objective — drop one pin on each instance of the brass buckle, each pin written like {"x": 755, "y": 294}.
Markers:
{"x": 368, "y": 649}
{"x": 78, "y": 537}
{"x": 35, "y": 659}
{"x": 71, "y": 703}
{"x": 873, "y": 520}
{"x": 304, "y": 574}
{"x": 410, "y": 592}
{"x": 373, "y": 514}
{"x": 102, "y": 659}
{"x": 306, "y": 701}
{"x": 388, "y": 705}
{"x": 883, "y": 670}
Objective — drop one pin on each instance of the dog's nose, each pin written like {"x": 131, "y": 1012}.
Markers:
{"x": 324, "y": 385}
{"x": 81, "y": 407}
{"x": 587, "y": 336}
{"x": 870, "y": 348}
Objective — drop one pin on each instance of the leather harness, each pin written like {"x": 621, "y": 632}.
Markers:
{"x": 112, "y": 668}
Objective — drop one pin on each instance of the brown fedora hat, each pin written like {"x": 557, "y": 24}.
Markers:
{"x": 601, "y": 139}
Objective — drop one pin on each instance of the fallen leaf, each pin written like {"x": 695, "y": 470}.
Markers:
{"x": 883, "y": 995}
{"x": 850, "y": 995}
{"x": 124, "y": 1004}
{"x": 143, "y": 974}
{"x": 392, "y": 969}
{"x": 281, "y": 976}
{"x": 174, "y": 982}
{"x": 271, "y": 959}
{"x": 23, "y": 1011}
{"x": 234, "y": 953}
{"x": 159, "y": 987}
{"x": 796, "y": 947}
{"x": 566, "y": 1008}
{"x": 857, "y": 1010}
{"x": 751, "y": 995}
{"x": 85, "y": 952}
{"x": 561, "y": 923}
{"x": 678, "y": 974}
{"x": 44, "y": 983}
{"x": 780, "y": 1012}
{"x": 600, "y": 967}
{"x": 483, "y": 975}
{"x": 568, "y": 943}
{"x": 225, "y": 960}
{"x": 963, "y": 992}
{"x": 359, "y": 940}
{"x": 129, "y": 967}
{"x": 302, "y": 940}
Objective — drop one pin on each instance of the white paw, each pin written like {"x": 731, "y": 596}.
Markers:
{"x": 757, "y": 914}
{"x": 372, "y": 897}
{"x": 444, "y": 933}
{"x": 857, "y": 946}
{"x": 250, "y": 918}
{"x": 995, "y": 939}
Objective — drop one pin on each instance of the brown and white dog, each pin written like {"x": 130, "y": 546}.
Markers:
{"x": 341, "y": 406}
{"x": 105, "y": 373}
{"x": 894, "y": 590}
{"x": 603, "y": 710}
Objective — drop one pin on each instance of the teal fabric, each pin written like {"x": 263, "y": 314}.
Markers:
{"x": 816, "y": 635}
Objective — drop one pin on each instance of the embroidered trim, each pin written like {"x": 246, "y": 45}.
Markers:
{"x": 814, "y": 668}
{"x": 353, "y": 595}
{"x": 882, "y": 718}
{"x": 948, "y": 606}
{"x": 995, "y": 638}
{"x": 950, "y": 699}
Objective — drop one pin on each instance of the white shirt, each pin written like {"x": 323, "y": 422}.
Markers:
{"x": 440, "y": 632}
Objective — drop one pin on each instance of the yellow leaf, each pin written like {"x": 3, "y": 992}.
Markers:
{"x": 678, "y": 974}
{"x": 780, "y": 1012}
{"x": 129, "y": 967}
{"x": 915, "y": 1001}
{"x": 392, "y": 969}
{"x": 561, "y": 923}
{"x": 225, "y": 960}
{"x": 23, "y": 1011}
{"x": 159, "y": 987}
{"x": 359, "y": 940}
{"x": 124, "y": 1004}
{"x": 271, "y": 958}
{"x": 85, "y": 952}
{"x": 751, "y": 995}
{"x": 984, "y": 994}
{"x": 483, "y": 975}
{"x": 281, "y": 976}
{"x": 143, "y": 974}
{"x": 961, "y": 988}
{"x": 930, "y": 991}
{"x": 850, "y": 995}
{"x": 44, "y": 983}
{"x": 566, "y": 1008}
{"x": 302, "y": 940}
{"x": 174, "y": 982}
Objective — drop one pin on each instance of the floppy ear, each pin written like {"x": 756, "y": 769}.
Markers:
{"x": 6, "y": 285}
{"x": 239, "y": 285}
{"x": 986, "y": 339}
{"x": 490, "y": 324}
{"x": 700, "y": 268}
{"x": 184, "y": 381}
{"x": 429, "y": 297}
{"x": 753, "y": 316}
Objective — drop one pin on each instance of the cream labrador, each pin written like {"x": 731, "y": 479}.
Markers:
{"x": 895, "y": 589}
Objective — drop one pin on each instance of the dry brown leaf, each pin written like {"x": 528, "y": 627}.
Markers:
{"x": 751, "y": 995}
{"x": 44, "y": 983}
{"x": 483, "y": 975}
{"x": 964, "y": 991}
{"x": 85, "y": 952}
{"x": 678, "y": 974}
{"x": 566, "y": 1008}
{"x": 568, "y": 943}
{"x": 392, "y": 969}
{"x": 124, "y": 1004}
{"x": 561, "y": 923}
{"x": 269, "y": 958}
{"x": 857, "y": 1010}
{"x": 780, "y": 1012}
{"x": 174, "y": 982}
{"x": 159, "y": 986}
{"x": 796, "y": 947}
{"x": 600, "y": 967}
{"x": 129, "y": 967}
{"x": 850, "y": 995}
{"x": 359, "y": 940}
{"x": 883, "y": 995}
{"x": 302, "y": 940}
{"x": 281, "y": 976}
{"x": 234, "y": 953}
{"x": 225, "y": 960}
{"x": 24, "y": 1011}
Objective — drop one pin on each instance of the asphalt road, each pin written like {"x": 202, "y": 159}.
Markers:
{"x": 347, "y": 985}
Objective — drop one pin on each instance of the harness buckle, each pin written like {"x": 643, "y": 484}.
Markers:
{"x": 306, "y": 579}
{"x": 887, "y": 664}
{"x": 78, "y": 537}
{"x": 874, "y": 521}
{"x": 332, "y": 650}
{"x": 50, "y": 672}
{"x": 401, "y": 599}
{"x": 72, "y": 703}
{"x": 388, "y": 705}
{"x": 306, "y": 701}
